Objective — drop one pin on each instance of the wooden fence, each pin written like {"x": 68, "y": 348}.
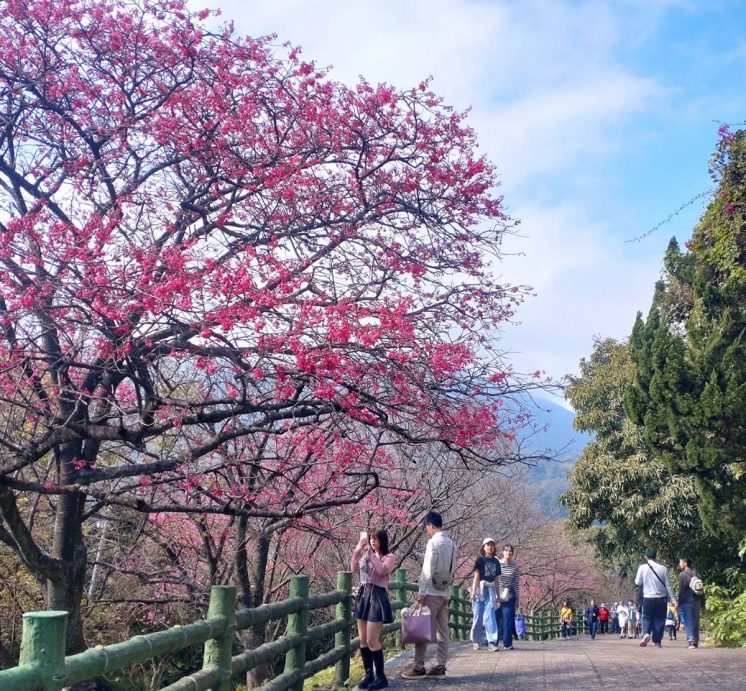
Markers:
{"x": 43, "y": 665}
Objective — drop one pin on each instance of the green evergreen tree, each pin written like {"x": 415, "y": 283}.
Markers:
{"x": 689, "y": 389}
{"x": 626, "y": 498}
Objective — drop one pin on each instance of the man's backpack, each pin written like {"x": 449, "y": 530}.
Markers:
{"x": 697, "y": 585}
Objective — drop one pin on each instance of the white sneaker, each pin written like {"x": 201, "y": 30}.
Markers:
{"x": 645, "y": 640}
{"x": 492, "y": 648}
{"x": 475, "y": 646}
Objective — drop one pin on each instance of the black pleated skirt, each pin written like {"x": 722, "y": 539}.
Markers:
{"x": 373, "y": 604}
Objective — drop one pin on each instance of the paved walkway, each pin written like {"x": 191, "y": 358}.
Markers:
{"x": 582, "y": 664}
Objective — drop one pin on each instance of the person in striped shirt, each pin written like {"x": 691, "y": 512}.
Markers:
{"x": 510, "y": 575}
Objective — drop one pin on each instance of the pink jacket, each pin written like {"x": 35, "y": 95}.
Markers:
{"x": 380, "y": 569}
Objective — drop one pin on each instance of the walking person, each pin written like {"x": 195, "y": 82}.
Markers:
{"x": 615, "y": 618}
{"x": 633, "y": 621}
{"x": 603, "y": 619}
{"x": 656, "y": 592}
{"x": 435, "y": 592}
{"x": 508, "y": 594}
{"x": 565, "y": 620}
{"x": 591, "y": 618}
{"x": 484, "y": 597}
{"x": 691, "y": 600}
{"x": 373, "y": 562}
{"x": 672, "y": 620}
{"x": 520, "y": 625}
{"x": 622, "y": 619}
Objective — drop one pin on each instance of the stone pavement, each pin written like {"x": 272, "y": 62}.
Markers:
{"x": 581, "y": 664}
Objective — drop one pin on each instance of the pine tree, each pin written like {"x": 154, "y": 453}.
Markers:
{"x": 689, "y": 389}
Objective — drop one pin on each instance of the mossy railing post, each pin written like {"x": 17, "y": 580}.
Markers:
{"x": 465, "y": 614}
{"x": 43, "y": 646}
{"x": 342, "y": 638}
{"x": 218, "y": 651}
{"x": 400, "y": 580}
{"x": 453, "y": 615}
{"x": 295, "y": 660}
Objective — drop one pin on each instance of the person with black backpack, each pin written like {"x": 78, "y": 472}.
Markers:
{"x": 656, "y": 593}
{"x": 691, "y": 600}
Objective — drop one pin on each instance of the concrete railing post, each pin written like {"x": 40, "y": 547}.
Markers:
{"x": 43, "y": 646}
{"x": 401, "y": 596}
{"x": 295, "y": 660}
{"x": 218, "y": 651}
{"x": 342, "y": 638}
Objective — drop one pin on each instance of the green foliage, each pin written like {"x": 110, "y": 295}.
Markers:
{"x": 638, "y": 501}
{"x": 689, "y": 385}
{"x": 727, "y": 616}
{"x": 727, "y": 607}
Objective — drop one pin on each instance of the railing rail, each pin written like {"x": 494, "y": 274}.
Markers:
{"x": 542, "y": 625}
{"x": 43, "y": 665}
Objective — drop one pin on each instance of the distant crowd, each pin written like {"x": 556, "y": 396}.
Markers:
{"x": 657, "y": 611}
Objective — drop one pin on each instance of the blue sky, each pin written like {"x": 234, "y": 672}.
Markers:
{"x": 600, "y": 116}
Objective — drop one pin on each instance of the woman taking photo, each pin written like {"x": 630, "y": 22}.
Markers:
{"x": 371, "y": 559}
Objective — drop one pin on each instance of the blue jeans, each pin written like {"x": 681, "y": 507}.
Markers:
{"x": 507, "y": 620}
{"x": 654, "y": 617}
{"x": 483, "y": 612}
{"x": 689, "y": 614}
{"x": 592, "y": 626}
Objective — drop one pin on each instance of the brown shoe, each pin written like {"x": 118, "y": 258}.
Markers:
{"x": 437, "y": 671}
{"x": 413, "y": 673}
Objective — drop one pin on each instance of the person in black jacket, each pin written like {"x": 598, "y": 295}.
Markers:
{"x": 591, "y": 618}
{"x": 690, "y": 603}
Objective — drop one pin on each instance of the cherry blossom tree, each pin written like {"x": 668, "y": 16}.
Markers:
{"x": 230, "y": 284}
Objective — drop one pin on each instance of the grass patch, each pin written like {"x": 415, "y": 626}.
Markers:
{"x": 324, "y": 680}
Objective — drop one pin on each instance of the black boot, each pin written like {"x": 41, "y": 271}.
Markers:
{"x": 379, "y": 681}
{"x": 367, "y": 656}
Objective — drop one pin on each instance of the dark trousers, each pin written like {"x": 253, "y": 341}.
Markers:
{"x": 592, "y": 626}
{"x": 506, "y": 622}
{"x": 654, "y": 617}
{"x": 603, "y": 626}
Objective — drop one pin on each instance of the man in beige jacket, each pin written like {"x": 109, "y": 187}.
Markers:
{"x": 435, "y": 592}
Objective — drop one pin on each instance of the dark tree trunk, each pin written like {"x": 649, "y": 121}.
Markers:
{"x": 69, "y": 548}
{"x": 251, "y": 580}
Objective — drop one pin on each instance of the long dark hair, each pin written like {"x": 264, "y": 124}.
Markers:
{"x": 383, "y": 540}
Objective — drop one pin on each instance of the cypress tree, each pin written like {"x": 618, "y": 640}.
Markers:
{"x": 689, "y": 389}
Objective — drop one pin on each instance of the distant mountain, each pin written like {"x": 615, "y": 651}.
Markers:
{"x": 553, "y": 433}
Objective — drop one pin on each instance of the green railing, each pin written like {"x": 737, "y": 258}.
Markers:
{"x": 544, "y": 625}
{"x": 43, "y": 664}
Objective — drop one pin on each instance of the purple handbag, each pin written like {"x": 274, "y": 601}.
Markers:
{"x": 417, "y": 625}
